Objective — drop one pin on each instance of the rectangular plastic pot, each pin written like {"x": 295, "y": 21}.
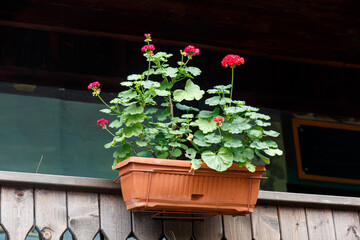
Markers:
{"x": 162, "y": 185}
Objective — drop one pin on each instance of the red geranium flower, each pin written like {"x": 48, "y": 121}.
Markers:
{"x": 218, "y": 119}
{"x": 94, "y": 85}
{"x": 191, "y": 51}
{"x": 148, "y": 48}
{"x": 102, "y": 122}
{"x": 232, "y": 61}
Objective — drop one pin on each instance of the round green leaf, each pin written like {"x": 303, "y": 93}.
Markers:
{"x": 220, "y": 161}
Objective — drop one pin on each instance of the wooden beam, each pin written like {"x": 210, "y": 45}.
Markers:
{"x": 217, "y": 48}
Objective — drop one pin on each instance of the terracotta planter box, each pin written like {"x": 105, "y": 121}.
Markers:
{"x": 160, "y": 185}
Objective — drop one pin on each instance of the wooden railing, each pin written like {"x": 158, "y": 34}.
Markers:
{"x": 85, "y": 207}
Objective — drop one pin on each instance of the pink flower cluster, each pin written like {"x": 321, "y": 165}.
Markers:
{"x": 232, "y": 61}
{"x": 148, "y": 48}
{"x": 94, "y": 85}
{"x": 147, "y": 35}
{"x": 191, "y": 51}
{"x": 218, "y": 119}
{"x": 102, "y": 122}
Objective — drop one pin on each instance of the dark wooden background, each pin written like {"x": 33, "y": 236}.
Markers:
{"x": 301, "y": 56}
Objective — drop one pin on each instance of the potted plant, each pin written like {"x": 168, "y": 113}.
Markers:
{"x": 156, "y": 122}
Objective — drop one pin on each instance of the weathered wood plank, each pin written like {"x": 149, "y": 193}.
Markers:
{"x": 237, "y": 227}
{"x": 17, "y": 211}
{"x": 210, "y": 229}
{"x": 308, "y": 199}
{"x": 83, "y": 214}
{"x": 347, "y": 226}
{"x": 50, "y": 212}
{"x": 57, "y": 181}
{"x": 177, "y": 229}
{"x": 293, "y": 223}
{"x": 146, "y": 228}
{"x": 115, "y": 220}
{"x": 265, "y": 223}
{"x": 320, "y": 224}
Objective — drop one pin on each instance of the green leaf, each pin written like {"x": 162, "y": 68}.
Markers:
{"x": 151, "y": 111}
{"x": 187, "y": 115}
{"x": 208, "y": 114}
{"x": 162, "y": 155}
{"x": 149, "y": 84}
{"x": 233, "y": 143}
{"x": 196, "y": 163}
{"x": 165, "y": 85}
{"x": 271, "y": 144}
{"x": 186, "y": 108}
{"x": 273, "y": 152}
{"x": 194, "y": 71}
{"x": 126, "y": 149}
{"x": 163, "y": 114}
{"x": 133, "y": 130}
{"x": 176, "y": 152}
{"x": 238, "y": 125}
{"x": 162, "y": 93}
{"x": 105, "y": 110}
{"x": 205, "y": 125}
{"x": 259, "y": 145}
{"x": 135, "y": 77}
{"x": 220, "y": 161}
{"x": 254, "y": 115}
{"x": 133, "y": 110}
{"x": 191, "y": 92}
{"x": 254, "y": 133}
{"x": 262, "y": 124}
{"x": 213, "y": 101}
{"x": 174, "y": 144}
{"x": 161, "y": 148}
{"x": 143, "y": 154}
{"x": 199, "y": 139}
{"x": 250, "y": 167}
{"x": 265, "y": 159}
{"x": 141, "y": 143}
{"x": 114, "y": 141}
{"x": 190, "y": 153}
{"x": 243, "y": 154}
{"x": 127, "y": 84}
{"x": 213, "y": 138}
{"x": 115, "y": 124}
{"x": 127, "y": 94}
{"x": 170, "y": 72}
{"x": 130, "y": 119}
{"x": 271, "y": 133}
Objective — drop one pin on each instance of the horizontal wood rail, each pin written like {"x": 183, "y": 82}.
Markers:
{"x": 86, "y": 206}
{"x": 106, "y": 185}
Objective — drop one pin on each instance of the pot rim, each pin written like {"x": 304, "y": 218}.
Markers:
{"x": 177, "y": 163}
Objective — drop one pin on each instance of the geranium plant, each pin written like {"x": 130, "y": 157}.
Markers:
{"x": 145, "y": 123}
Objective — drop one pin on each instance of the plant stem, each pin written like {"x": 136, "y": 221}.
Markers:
{"x": 232, "y": 82}
{"x": 105, "y": 103}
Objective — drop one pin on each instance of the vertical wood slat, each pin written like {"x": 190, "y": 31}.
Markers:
{"x": 146, "y": 228}
{"x": 265, "y": 223}
{"x": 293, "y": 223}
{"x": 320, "y": 224}
{"x": 50, "y": 212}
{"x": 115, "y": 220}
{"x": 347, "y": 226}
{"x": 237, "y": 227}
{"x": 17, "y": 211}
{"x": 177, "y": 229}
{"x": 83, "y": 214}
{"x": 210, "y": 229}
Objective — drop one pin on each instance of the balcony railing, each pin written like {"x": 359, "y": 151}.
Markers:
{"x": 86, "y": 206}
